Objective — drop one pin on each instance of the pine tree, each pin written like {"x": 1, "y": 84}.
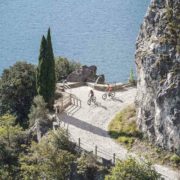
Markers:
{"x": 51, "y": 71}
{"x": 41, "y": 80}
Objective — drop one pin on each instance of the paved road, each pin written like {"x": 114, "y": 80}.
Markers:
{"x": 90, "y": 123}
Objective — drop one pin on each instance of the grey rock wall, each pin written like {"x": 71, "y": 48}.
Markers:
{"x": 157, "y": 60}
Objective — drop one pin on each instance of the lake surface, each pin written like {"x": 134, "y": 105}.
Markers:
{"x": 93, "y": 32}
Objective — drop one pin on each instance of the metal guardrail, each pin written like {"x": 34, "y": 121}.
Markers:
{"x": 63, "y": 103}
{"x": 97, "y": 151}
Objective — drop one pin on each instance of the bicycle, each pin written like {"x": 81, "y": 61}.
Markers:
{"x": 91, "y": 99}
{"x": 110, "y": 94}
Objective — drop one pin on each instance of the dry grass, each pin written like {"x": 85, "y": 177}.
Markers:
{"x": 124, "y": 130}
{"x": 123, "y": 127}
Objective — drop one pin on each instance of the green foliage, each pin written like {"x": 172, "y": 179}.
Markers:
{"x": 47, "y": 160}
{"x": 17, "y": 90}
{"x": 178, "y": 49}
{"x": 123, "y": 127}
{"x": 11, "y": 139}
{"x": 132, "y": 169}
{"x": 38, "y": 111}
{"x": 126, "y": 140}
{"x": 8, "y": 131}
{"x": 87, "y": 167}
{"x": 60, "y": 140}
{"x": 131, "y": 77}
{"x": 42, "y": 70}
{"x": 46, "y": 71}
{"x": 175, "y": 159}
{"x": 51, "y": 82}
{"x": 63, "y": 67}
{"x": 169, "y": 13}
{"x": 172, "y": 25}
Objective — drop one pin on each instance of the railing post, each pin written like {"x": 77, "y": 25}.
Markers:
{"x": 96, "y": 151}
{"x": 114, "y": 158}
{"x": 71, "y": 98}
{"x": 79, "y": 142}
{"x": 76, "y": 104}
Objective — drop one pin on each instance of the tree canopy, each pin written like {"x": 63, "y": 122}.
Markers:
{"x": 47, "y": 159}
{"x": 17, "y": 90}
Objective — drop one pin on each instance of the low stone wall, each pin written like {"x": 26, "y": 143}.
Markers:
{"x": 99, "y": 87}
{"x": 71, "y": 84}
{"x": 103, "y": 87}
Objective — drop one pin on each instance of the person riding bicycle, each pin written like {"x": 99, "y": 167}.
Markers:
{"x": 109, "y": 89}
{"x": 91, "y": 94}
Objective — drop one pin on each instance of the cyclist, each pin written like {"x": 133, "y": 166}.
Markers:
{"x": 109, "y": 89}
{"x": 91, "y": 94}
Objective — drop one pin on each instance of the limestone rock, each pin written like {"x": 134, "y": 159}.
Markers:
{"x": 158, "y": 74}
{"x": 85, "y": 74}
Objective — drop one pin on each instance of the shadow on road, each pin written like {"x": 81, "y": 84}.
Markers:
{"x": 117, "y": 99}
{"x": 82, "y": 125}
{"x": 98, "y": 104}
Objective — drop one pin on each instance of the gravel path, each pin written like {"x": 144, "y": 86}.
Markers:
{"x": 90, "y": 123}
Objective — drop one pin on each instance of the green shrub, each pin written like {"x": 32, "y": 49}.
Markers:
{"x": 132, "y": 169}
{"x": 87, "y": 167}
{"x": 131, "y": 77}
{"x": 63, "y": 67}
{"x": 126, "y": 140}
{"x": 175, "y": 159}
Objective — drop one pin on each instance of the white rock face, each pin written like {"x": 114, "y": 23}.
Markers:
{"x": 158, "y": 69}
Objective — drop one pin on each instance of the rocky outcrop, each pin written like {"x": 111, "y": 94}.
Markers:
{"x": 85, "y": 74}
{"x": 158, "y": 74}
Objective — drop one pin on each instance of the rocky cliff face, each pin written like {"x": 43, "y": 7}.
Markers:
{"x": 158, "y": 71}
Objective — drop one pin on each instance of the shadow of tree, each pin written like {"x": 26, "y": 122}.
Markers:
{"x": 82, "y": 125}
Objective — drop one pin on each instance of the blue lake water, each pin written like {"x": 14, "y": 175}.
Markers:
{"x": 99, "y": 32}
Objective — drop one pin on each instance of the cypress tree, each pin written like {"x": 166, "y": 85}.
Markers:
{"x": 51, "y": 71}
{"x": 41, "y": 80}
{"x": 46, "y": 71}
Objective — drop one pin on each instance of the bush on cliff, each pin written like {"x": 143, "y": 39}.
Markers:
{"x": 63, "y": 67}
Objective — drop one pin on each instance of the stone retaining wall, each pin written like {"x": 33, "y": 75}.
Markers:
{"x": 103, "y": 87}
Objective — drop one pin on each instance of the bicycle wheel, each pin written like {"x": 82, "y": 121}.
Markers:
{"x": 94, "y": 99}
{"x": 89, "y": 102}
{"x": 112, "y": 94}
{"x": 104, "y": 96}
